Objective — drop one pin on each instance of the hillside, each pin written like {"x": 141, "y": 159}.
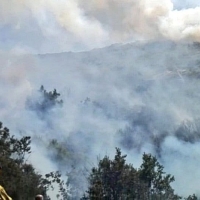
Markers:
{"x": 141, "y": 97}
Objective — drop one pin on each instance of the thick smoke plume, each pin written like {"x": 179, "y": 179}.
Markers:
{"x": 52, "y": 26}
{"x": 142, "y": 96}
{"x": 139, "y": 97}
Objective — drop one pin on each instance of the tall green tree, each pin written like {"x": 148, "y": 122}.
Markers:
{"x": 20, "y": 179}
{"x": 152, "y": 172}
{"x": 114, "y": 179}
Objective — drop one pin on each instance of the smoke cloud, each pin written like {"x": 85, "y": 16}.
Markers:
{"x": 142, "y": 96}
{"x": 55, "y": 26}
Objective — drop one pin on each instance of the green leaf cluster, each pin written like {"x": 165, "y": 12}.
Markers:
{"x": 19, "y": 178}
{"x": 114, "y": 179}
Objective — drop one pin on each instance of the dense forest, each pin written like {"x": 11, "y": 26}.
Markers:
{"x": 109, "y": 179}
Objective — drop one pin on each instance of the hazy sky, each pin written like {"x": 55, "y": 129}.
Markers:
{"x": 42, "y": 26}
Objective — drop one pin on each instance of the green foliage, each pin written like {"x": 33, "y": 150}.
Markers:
{"x": 114, "y": 179}
{"x": 53, "y": 178}
{"x": 45, "y": 102}
{"x": 76, "y": 169}
{"x": 20, "y": 179}
{"x": 151, "y": 171}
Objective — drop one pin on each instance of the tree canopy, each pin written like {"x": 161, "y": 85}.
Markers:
{"x": 20, "y": 178}
{"x": 111, "y": 179}
{"x": 115, "y": 179}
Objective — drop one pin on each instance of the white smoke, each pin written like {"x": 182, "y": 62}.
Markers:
{"x": 141, "y": 91}
{"x": 54, "y": 26}
{"x": 134, "y": 96}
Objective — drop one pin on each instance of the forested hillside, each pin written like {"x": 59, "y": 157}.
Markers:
{"x": 110, "y": 179}
{"x": 99, "y": 98}
{"x": 72, "y": 108}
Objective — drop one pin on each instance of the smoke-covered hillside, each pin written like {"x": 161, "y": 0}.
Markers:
{"x": 141, "y": 97}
